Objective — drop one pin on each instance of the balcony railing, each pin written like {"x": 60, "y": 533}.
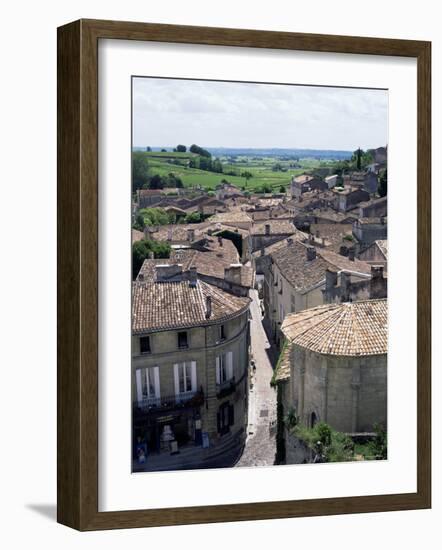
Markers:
{"x": 187, "y": 399}
{"x": 225, "y": 388}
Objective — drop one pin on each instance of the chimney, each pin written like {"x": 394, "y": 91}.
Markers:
{"x": 151, "y": 255}
{"x": 267, "y": 229}
{"x": 208, "y": 307}
{"x": 193, "y": 276}
{"x": 168, "y": 272}
{"x": 345, "y": 286}
{"x": 191, "y": 235}
{"x": 146, "y": 232}
{"x": 232, "y": 274}
{"x": 331, "y": 279}
{"x": 378, "y": 284}
{"x": 351, "y": 254}
{"x": 289, "y": 241}
{"x": 323, "y": 241}
{"x": 311, "y": 253}
{"x": 220, "y": 240}
{"x": 169, "y": 234}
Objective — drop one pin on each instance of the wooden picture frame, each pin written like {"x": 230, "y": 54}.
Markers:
{"x": 78, "y": 274}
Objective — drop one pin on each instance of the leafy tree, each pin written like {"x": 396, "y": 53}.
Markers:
{"x": 379, "y": 445}
{"x": 164, "y": 150}
{"x": 199, "y": 151}
{"x": 140, "y": 170}
{"x": 141, "y": 250}
{"x": 282, "y": 189}
{"x": 193, "y": 217}
{"x": 264, "y": 189}
{"x": 383, "y": 181}
{"x": 156, "y": 182}
{"x": 181, "y": 148}
{"x": 148, "y": 149}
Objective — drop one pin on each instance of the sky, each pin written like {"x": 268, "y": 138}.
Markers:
{"x": 167, "y": 112}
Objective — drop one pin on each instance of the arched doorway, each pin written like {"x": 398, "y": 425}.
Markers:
{"x": 313, "y": 419}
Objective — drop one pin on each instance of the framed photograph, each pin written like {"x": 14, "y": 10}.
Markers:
{"x": 243, "y": 322}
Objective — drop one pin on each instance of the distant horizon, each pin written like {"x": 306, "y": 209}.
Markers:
{"x": 241, "y": 115}
{"x": 263, "y": 148}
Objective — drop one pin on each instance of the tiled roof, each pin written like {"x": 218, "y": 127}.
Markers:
{"x": 283, "y": 367}
{"x": 206, "y": 263}
{"x": 178, "y": 232}
{"x": 300, "y": 272}
{"x": 342, "y": 263}
{"x": 304, "y": 274}
{"x": 164, "y": 306}
{"x": 332, "y": 232}
{"x": 296, "y": 236}
{"x": 277, "y": 227}
{"x": 347, "y": 329}
{"x": 383, "y": 247}
{"x": 231, "y": 217}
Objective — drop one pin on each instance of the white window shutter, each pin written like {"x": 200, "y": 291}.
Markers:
{"x": 176, "y": 377}
{"x": 193, "y": 375}
{"x": 218, "y": 372}
{"x": 139, "y": 385}
{"x": 229, "y": 365}
{"x": 156, "y": 375}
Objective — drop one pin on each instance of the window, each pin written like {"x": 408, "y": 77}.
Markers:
{"x": 147, "y": 385}
{"x": 225, "y": 418}
{"x": 222, "y": 332}
{"x": 185, "y": 377}
{"x": 182, "y": 340}
{"x": 145, "y": 344}
{"x": 224, "y": 368}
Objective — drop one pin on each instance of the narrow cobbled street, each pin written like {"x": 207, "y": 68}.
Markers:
{"x": 260, "y": 447}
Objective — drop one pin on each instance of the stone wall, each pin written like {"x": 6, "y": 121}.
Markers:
{"x": 349, "y": 393}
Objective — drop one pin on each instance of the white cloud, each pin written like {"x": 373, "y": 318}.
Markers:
{"x": 232, "y": 114}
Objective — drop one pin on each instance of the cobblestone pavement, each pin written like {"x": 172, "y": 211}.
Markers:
{"x": 260, "y": 447}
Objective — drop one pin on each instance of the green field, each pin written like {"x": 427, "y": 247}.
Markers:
{"x": 163, "y": 163}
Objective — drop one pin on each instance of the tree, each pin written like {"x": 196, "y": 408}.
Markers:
{"x": 156, "y": 182}
{"x": 148, "y": 149}
{"x": 141, "y": 250}
{"x": 199, "y": 151}
{"x": 181, "y": 148}
{"x": 140, "y": 170}
{"x": 164, "y": 150}
{"x": 282, "y": 189}
{"x": 383, "y": 181}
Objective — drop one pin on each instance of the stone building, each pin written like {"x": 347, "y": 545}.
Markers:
{"x": 190, "y": 356}
{"x": 340, "y": 288}
{"x": 348, "y": 198}
{"x": 304, "y": 183}
{"x": 376, "y": 253}
{"x": 296, "y": 277}
{"x": 368, "y": 230}
{"x": 337, "y": 358}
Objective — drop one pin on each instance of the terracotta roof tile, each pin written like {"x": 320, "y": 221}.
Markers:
{"x": 164, "y": 306}
{"x": 348, "y": 329}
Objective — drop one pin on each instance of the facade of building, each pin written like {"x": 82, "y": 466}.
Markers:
{"x": 296, "y": 278}
{"x": 368, "y": 230}
{"x": 190, "y": 357}
{"x": 338, "y": 365}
